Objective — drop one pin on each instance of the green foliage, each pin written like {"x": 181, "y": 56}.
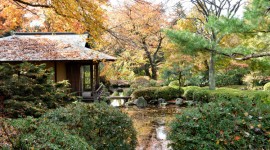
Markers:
{"x": 30, "y": 90}
{"x": 205, "y": 95}
{"x": 235, "y": 124}
{"x": 231, "y": 77}
{"x": 255, "y": 14}
{"x": 225, "y": 25}
{"x": 266, "y": 87}
{"x": 174, "y": 84}
{"x": 51, "y": 136}
{"x": 189, "y": 90}
{"x": 36, "y": 134}
{"x": 189, "y": 42}
{"x": 102, "y": 126}
{"x": 77, "y": 126}
{"x": 152, "y": 93}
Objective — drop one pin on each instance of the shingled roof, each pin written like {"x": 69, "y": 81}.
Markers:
{"x": 48, "y": 46}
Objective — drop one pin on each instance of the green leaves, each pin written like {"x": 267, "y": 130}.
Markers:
{"x": 224, "y": 26}
{"x": 235, "y": 124}
{"x": 189, "y": 42}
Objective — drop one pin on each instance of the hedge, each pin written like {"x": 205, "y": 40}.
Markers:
{"x": 152, "y": 93}
{"x": 206, "y": 95}
{"x": 77, "y": 126}
{"x": 235, "y": 124}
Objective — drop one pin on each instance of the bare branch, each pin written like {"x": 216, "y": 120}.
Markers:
{"x": 32, "y": 4}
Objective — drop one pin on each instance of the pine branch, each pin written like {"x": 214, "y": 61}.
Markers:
{"x": 236, "y": 55}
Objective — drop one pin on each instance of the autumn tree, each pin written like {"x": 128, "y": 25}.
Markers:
{"x": 69, "y": 15}
{"x": 10, "y": 16}
{"x": 138, "y": 26}
{"x": 217, "y": 21}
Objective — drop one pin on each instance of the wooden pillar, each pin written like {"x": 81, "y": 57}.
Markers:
{"x": 55, "y": 71}
{"x": 97, "y": 75}
{"x": 92, "y": 78}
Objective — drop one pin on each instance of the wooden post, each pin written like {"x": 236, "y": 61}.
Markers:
{"x": 92, "y": 79}
{"x": 55, "y": 71}
{"x": 97, "y": 75}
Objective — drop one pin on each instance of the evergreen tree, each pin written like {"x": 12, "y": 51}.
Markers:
{"x": 219, "y": 20}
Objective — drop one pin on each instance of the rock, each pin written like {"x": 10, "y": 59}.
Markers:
{"x": 161, "y": 100}
{"x": 129, "y": 104}
{"x": 189, "y": 103}
{"x": 179, "y": 101}
{"x": 153, "y": 102}
{"x": 140, "y": 102}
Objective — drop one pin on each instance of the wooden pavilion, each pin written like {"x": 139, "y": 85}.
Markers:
{"x": 67, "y": 53}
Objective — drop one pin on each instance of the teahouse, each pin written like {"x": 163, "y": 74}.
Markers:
{"x": 67, "y": 53}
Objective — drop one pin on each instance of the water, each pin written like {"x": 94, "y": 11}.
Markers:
{"x": 118, "y": 102}
{"x": 161, "y": 133}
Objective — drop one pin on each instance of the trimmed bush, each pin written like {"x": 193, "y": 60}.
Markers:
{"x": 152, "y": 93}
{"x": 266, "y": 87}
{"x": 102, "y": 126}
{"x": 174, "y": 84}
{"x": 37, "y": 134}
{"x": 205, "y": 95}
{"x": 78, "y": 126}
{"x": 235, "y": 124}
{"x": 189, "y": 90}
{"x": 147, "y": 93}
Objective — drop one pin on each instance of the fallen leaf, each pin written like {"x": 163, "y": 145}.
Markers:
{"x": 237, "y": 138}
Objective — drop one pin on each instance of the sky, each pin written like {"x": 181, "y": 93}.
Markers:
{"x": 187, "y": 5}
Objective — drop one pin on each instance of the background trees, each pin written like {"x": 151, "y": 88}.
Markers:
{"x": 218, "y": 21}
{"x": 138, "y": 27}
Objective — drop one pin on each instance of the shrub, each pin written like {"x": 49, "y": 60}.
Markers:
{"x": 147, "y": 93}
{"x": 231, "y": 77}
{"x": 189, "y": 92}
{"x": 37, "y": 134}
{"x": 266, "y": 87}
{"x": 29, "y": 90}
{"x": 235, "y": 124}
{"x": 174, "y": 84}
{"x": 141, "y": 81}
{"x": 205, "y": 95}
{"x": 253, "y": 79}
{"x": 77, "y": 126}
{"x": 102, "y": 126}
{"x": 151, "y": 93}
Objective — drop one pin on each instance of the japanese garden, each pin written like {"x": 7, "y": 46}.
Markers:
{"x": 134, "y": 74}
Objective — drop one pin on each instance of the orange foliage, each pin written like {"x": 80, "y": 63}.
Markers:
{"x": 10, "y": 16}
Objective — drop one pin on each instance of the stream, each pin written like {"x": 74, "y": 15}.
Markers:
{"x": 152, "y": 125}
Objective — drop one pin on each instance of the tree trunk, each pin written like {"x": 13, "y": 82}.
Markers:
{"x": 146, "y": 70}
{"x": 212, "y": 82}
{"x": 154, "y": 71}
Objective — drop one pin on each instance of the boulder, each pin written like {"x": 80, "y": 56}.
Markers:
{"x": 179, "y": 101}
{"x": 140, "y": 102}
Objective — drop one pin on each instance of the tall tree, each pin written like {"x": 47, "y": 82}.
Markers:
{"x": 218, "y": 21}
{"x": 138, "y": 26}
